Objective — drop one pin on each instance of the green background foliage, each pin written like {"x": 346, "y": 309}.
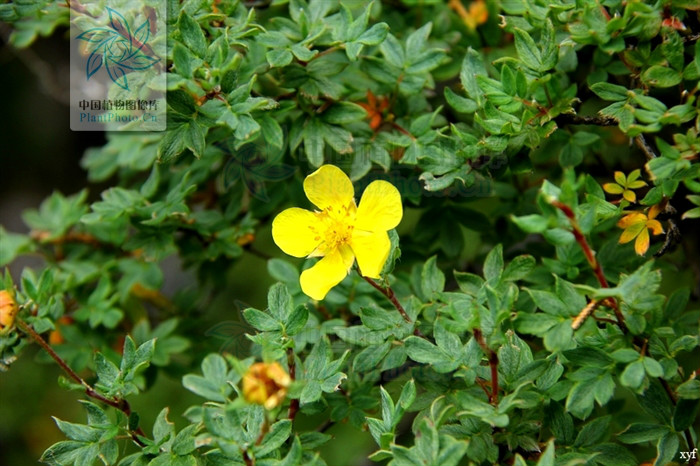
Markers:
{"x": 499, "y": 139}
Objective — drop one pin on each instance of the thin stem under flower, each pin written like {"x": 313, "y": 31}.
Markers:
{"x": 391, "y": 296}
{"x": 119, "y": 403}
{"x": 592, "y": 260}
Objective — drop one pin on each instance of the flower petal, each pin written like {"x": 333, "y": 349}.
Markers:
{"x": 329, "y": 187}
{"x": 641, "y": 246}
{"x": 631, "y": 219}
{"x": 317, "y": 281}
{"x": 631, "y": 232}
{"x": 613, "y": 188}
{"x": 380, "y": 208}
{"x": 296, "y": 231}
{"x": 655, "y": 227}
{"x": 636, "y": 184}
{"x": 620, "y": 178}
{"x": 654, "y": 211}
{"x": 634, "y": 174}
{"x": 371, "y": 250}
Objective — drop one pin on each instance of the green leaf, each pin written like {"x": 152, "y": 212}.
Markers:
{"x": 459, "y": 103}
{"x": 610, "y": 454}
{"x": 547, "y": 457}
{"x": 213, "y": 385}
{"x": 593, "y": 433}
{"x": 432, "y": 278}
{"x": 393, "y": 51}
{"x": 580, "y": 399}
{"x": 685, "y": 413}
{"x": 667, "y": 449}
{"x": 280, "y": 302}
{"x": 493, "y": 266}
{"x": 689, "y": 390}
{"x": 527, "y": 50}
{"x": 640, "y": 432}
{"x": 313, "y": 142}
{"x": 277, "y": 435}
{"x": 661, "y": 76}
{"x": 374, "y": 35}
{"x": 472, "y": 67}
{"x": 261, "y": 320}
{"x": 283, "y": 271}
{"x": 296, "y": 320}
{"x": 370, "y": 357}
{"x": 342, "y": 113}
{"x": 607, "y": 91}
{"x": 533, "y": 223}
{"x": 633, "y": 375}
{"x": 519, "y": 268}
{"x": 12, "y": 245}
{"x": 192, "y": 34}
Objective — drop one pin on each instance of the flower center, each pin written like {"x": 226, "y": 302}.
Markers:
{"x": 338, "y": 224}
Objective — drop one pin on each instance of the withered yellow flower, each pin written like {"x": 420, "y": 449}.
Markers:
{"x": 266, "y": 384}
{"x": 637, "y": 224}
{"x": 8, "y": 310}
{"x": 625, "y": 184}
{"x": 475, "y": 15}
{"x": 341, "y": 231}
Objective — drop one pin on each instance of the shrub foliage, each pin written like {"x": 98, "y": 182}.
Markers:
{"x": 539, "y": 303}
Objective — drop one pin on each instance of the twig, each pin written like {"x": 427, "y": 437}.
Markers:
{"x": 493, "y": 363}
{"x": 484, "y": 386}
{"x": 565, "y": 119}
{"x": 325, "y": 426}
{"x": 673, "y": 234}
{"x": 403, "y": 130}
{"x": 691, "y": 38}
{"x": 592, "y": 260}
{"x": 294, "y": 404}
{"x": 585, "y": 313}
{"x": 389, "y": 293}
{"x": 645, "y": 147}
{"x": 686, "y": 432}
{"x": 119, "y": 403}
{"x": 44, "y": 73}
{"x": 604, "y": 319}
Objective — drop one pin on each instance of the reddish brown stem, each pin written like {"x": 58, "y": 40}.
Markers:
{"x": 294, "y": 404}
{"x": 389, "y": 293}
{"x": 592, "y": 260}
{"x": 119, "y": 403}
{"x": 493, "y": 363}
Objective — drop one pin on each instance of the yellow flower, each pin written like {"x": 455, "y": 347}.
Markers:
{"x": 266, "y": 384}
{"x": 341, "y": 231}
{"x": 636, "y": 225}
{"x": 476, "y": 15}
{"x": 625, "y": 185}
{"x": 8, "y": 311}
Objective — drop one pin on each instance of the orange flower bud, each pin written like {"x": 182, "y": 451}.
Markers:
{"x": 8, "y": 310}
{"x": 245, "y": 239}
{"x": 266, "y": 384}
{"x": 55, "y": 337}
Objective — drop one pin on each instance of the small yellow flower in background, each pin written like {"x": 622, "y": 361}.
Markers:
{"x": 8, "y": 310}
{"x": 266, "y": 384}
{"x": 637, "y": 224}
{"x": 341, "y": 231}
{"x": 625, "y": 185}
{"x": 476, "y": 15}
